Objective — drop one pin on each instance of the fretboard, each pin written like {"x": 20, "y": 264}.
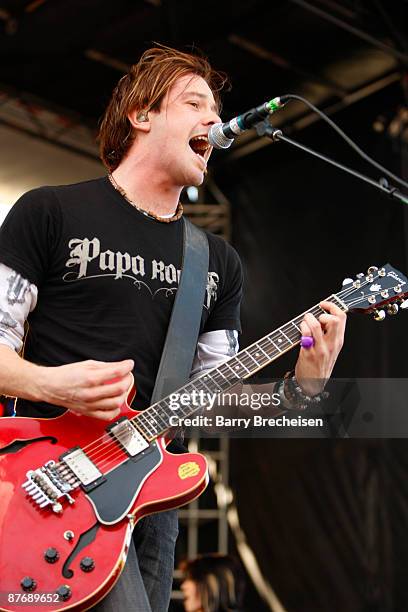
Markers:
{"x": 155, "y": 420}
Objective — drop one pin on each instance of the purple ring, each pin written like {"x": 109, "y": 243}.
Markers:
{"x": 307, "y": 342}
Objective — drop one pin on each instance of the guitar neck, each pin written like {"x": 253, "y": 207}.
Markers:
{"x": 155, "y": 420}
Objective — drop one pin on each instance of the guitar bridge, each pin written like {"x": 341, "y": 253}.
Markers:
{"x": 49, "y": 484}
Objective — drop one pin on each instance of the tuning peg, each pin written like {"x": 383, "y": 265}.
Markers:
{"x": 392, "y": 309}
{"x": 347, "y": 281}
{"x": 379, "y": 315}
{"x": 404, "y": 304}
{"x": 372, "y": 269}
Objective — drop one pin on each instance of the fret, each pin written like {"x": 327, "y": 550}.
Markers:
{"x": 317, "y": 310}
{"x": 262, "y": 359}
{"x": 296, "y": 327}
{"x": 137, "y": 424}
{"x": 279, "y": 340}
{"x": 188, "y": 388}
{"x": 266, "y": 347}
{"x": 261, "y": 349}
{"x": 253, "y": 359}
{"x": 185, "y": 410}
{"x": 163, "y": 412}
{"x": 213, "y": 381}
{"x": 287, "y": 337}
{"x": 335, "y": 299}
{"x": 162, "y": 407}
{"x": 201, "y": 380}
{"x": 224, "y": 377}
{"x": 221, "y": 380}
{"x": 233, "y": 371}
{"x": 274, "y": 344}
{"x": 241, "y": 364}
{"x": 159, "y": 415}
{"x": 142, "y": 426}
{"x": 151, "y": 422}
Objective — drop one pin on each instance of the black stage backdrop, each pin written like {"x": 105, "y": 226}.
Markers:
{"x": 327, "y": 519}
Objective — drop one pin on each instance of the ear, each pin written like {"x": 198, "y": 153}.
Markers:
{"x": 140, "y": 120}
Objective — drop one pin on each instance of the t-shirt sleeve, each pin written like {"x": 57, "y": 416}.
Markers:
{"x": 226, "y": 311}
{"x": 29, "y": 233}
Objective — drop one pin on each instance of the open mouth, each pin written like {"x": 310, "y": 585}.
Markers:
{"x": 199, "y": 144}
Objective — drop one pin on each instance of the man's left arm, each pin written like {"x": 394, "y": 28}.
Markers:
{"x": 314, "y": 365}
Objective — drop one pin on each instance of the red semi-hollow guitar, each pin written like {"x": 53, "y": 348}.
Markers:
{"x": 73, "y": 487}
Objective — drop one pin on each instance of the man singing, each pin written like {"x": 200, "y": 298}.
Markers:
{"x": 89, "y": 272}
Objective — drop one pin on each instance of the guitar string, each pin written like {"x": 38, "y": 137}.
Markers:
{"x": 112, "y": 443}
{"x": 290, "y": 336}
{"x": 105, "y": 456}
{"x": 109, "y": 458}
{"x": 294, "y": 338}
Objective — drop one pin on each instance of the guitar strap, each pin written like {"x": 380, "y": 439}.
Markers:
{"x": 182, "y": 334}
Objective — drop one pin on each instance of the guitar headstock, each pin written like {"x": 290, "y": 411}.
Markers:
{"x": 378, "y": 289}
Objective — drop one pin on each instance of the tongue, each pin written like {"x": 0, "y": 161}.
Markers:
{"x": 198, "y": 148}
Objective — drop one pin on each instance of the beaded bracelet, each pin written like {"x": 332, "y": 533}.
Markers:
{"x": 295, "y": 397}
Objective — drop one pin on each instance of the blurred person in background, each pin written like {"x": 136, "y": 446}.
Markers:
{"x": 213, "y": 583}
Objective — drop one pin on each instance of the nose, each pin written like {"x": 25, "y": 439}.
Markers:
{"x": 211, "y": 118}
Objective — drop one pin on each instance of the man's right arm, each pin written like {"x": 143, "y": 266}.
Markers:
{"x": 94, "y": 388}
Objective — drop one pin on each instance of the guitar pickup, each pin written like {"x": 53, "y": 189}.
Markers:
{"x": 128, "y": 437}
{"x": 84, "y": 469}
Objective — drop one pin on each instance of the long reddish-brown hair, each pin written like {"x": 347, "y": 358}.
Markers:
{"x": 143, "y": 89}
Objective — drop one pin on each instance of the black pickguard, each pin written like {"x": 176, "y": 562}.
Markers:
{"x": 114, "y": 497}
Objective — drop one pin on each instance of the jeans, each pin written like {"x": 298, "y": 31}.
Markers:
{"x": 146, "y": 581}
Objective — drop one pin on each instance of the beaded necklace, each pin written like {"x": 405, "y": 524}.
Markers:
{"x": 147, "y": 213}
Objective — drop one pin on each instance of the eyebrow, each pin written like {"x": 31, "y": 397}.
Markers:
{"x": 197, "y": 94}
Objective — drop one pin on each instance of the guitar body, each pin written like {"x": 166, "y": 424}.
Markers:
{"x": 95, "y": 526}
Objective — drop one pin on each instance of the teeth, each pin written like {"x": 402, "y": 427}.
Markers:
{"x": 204, "y": 138}
{"x": 201, "y": 139}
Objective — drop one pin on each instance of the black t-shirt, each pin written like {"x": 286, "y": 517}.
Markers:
{"x": 106, "y": 277}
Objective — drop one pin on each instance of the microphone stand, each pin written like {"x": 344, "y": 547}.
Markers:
{"x": 264, "y": 128}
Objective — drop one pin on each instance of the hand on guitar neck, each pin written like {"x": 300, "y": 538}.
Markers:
{"x": 315, "y": 364}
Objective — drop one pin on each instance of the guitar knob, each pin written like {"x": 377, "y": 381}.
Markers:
{"x": 87, "y": 564}
{"x": 51, "y": 555}
{"x": 404, "y": 304}
{"x": 64, "y": 592}
{"x": 28, "y": 584}
{"x": 392, "y": 309}
{"x": 379, "y": 315}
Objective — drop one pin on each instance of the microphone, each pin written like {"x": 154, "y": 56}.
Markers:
{"x": 221, "y": 135}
